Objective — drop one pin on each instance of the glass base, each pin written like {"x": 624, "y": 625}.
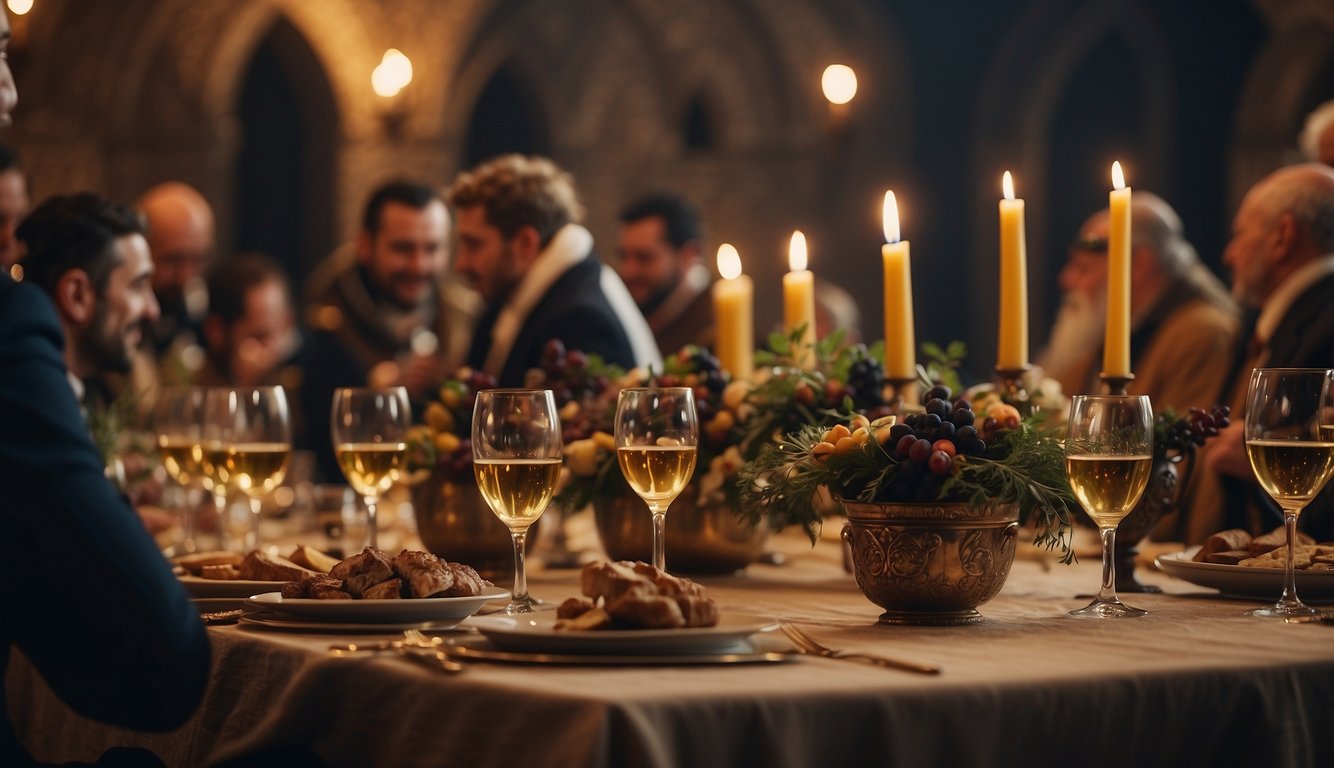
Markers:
{"x": 1293, "y": 613}
{"x": 523, "y": 607}
{"x": 1107, "y": 609}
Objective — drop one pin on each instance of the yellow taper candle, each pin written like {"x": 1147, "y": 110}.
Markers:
{"x": 1116, "y": 343}
{"x": 734, "y": 315}
{"x": 799, "y": 301}
{"x": 1012, "y": 342}
{"x": 900, "y": 352}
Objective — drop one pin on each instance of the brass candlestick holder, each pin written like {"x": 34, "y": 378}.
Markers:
{"x": 903, "y": 391}
{"x": 1013, "y": 390}
{"x": 1116, "y": 385}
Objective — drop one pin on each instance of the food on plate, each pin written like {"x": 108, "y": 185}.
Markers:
{"x": 315, "y": 560}
{"x": 195, "y": 562}
{"x": 261, "y": 566}
{"x": 372, "y": 575}
{"x": 1237, "y": 547}
{"x": 626, "y": 595}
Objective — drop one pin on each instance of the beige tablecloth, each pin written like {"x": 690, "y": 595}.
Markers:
{"x": 1193, "y": 683}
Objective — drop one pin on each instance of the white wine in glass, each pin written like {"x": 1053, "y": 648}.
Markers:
{"x": 369, "y": 428}
{"x": 178, "y": 419}
{"x": 1108, "y": 456}
{"x": 657, "y": 439}
{"x": 246, "y": 446}
{"x": 1292, "y": 455}
{"x": 517, "y": 454}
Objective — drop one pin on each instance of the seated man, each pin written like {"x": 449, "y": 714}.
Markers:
{"x": 383, "y": 320}
{"x": 658, "y": 256}
{"x": 523, "y": 249}
{"x": 62, "y": 525}
{"x": 1184, "y": 325}
{"x": 1282, "y": 260}
{"x": 249, "y": 332}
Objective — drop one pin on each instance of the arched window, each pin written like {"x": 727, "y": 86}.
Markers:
{"x": 698, "y": 132}
{"x": 506, "y": 119}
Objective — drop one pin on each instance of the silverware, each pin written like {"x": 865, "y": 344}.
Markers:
{"x": 807, "y": 645}
{"x": 409, "y": 647}
{"x": 221, "y": 617}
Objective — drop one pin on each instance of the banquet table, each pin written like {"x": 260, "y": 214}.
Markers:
{"x": 1192, "y": 683}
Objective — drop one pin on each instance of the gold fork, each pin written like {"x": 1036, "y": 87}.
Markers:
{"x": 807, "y": 645}
{"x": 418, "y": 639}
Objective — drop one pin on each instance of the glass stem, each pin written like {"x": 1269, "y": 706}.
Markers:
{"x": 254, "y": 522}
{"x": 1289, "y": 598}
{"x": 187, "y": 520}
{"x": 519, "y": 599}
{"x": 370, "y": 521}
{"x": 220, "y": 508}
{"x": 659, "y": 536}
{"x": 1108, "y": 592}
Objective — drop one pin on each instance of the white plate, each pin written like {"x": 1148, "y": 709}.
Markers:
{"x": 275, "y": 621}
{"x": 1264, "y": 583}
{"x": 375, "y": 611}
{"x": 471, "y": 648}
{"x": 198, "y": 587}
{"x": 536, "y": 633}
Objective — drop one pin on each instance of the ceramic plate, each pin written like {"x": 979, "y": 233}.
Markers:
{"x": 481, "y": 649}
{"x": 536, "y": 633}
{"x": 198, "y": 587}
{"x": 375, "y": 611}
{"x": 268, "y": 620}
{"x": 1262, "y": 583}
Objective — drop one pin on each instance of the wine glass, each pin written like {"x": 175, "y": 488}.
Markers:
{"x": 247, "y": 442}
{"x": 178, "y": 419}
{"x": 369, "y": 428}
{"x": 657, "y": 436}
{"x": 1108, "y": 457}
{"x": 1292, "y": 456}
{"x": 516, "y": 457}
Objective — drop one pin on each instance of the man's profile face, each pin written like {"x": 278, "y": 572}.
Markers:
{"x": 407, "y": 254}
{"x": 1246, "y": 252}
{"x": 648, "y": 264}
{"x": 1085, "y": 271}
{"x": 264, "y": 332}
{"x": 13, "y": 207}
{"x": 485, "y": 258}
{"x": 124, "y": 306}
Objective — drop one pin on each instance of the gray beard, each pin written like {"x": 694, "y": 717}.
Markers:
{"x": 1076, "y": 335}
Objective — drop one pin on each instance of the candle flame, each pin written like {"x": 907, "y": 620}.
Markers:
{"x": 729, "y": 262}
{"x": 796, "y": 252}
{"x": 891, "y": 218}
{"x": 1007, "y": 186}
{"x": 1118, "y": 179}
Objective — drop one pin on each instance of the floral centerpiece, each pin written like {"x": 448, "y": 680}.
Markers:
{"x": 737, "y": 419}
{"x": 948, "y": 453}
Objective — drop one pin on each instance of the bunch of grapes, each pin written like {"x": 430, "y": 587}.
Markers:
{"x": 927, "y": 444}
{"x": 866, "y": 382}
{"x": 699, "y": 369}
{"x": 450, "y": 422}
{"x": 1198, "y": 425}
{"x": 568, "y": 374}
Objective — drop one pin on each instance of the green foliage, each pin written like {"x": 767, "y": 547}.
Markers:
{"x": 942, "y": 365}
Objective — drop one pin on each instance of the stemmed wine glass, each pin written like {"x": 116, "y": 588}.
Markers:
{"x": 369, "y": 428}
{"x": 178, "y": 419}
{"x": 657, "y": 436}
{"x": 1108, "y": 457}
{"x": 516, "y": 457}
{"x": 247, "y": 442}
{"x": 1291, "y": 449}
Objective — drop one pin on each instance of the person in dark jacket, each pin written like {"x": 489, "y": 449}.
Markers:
{"x": 524, "y": 251}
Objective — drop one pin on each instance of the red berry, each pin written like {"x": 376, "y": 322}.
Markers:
{"x": 944, "y": 446}
{"x": 940, "y": 463}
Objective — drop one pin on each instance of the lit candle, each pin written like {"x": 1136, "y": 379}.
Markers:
{"x": 734, "y": 314}
{"x": 1012, "y": 346}
{"x": 799, "y": 301}
{"x": 1116, "y": 344}
{"x": 900, "y": 355}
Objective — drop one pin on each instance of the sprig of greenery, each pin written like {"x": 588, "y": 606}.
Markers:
{"x": 942, "y": 365}
{"x": 1024, "y": 466}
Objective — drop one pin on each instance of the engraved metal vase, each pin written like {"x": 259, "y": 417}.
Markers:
{"x": 456, "y": 524}
{"x": 702, "y": 539}
{"x": 930, "y": 563}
